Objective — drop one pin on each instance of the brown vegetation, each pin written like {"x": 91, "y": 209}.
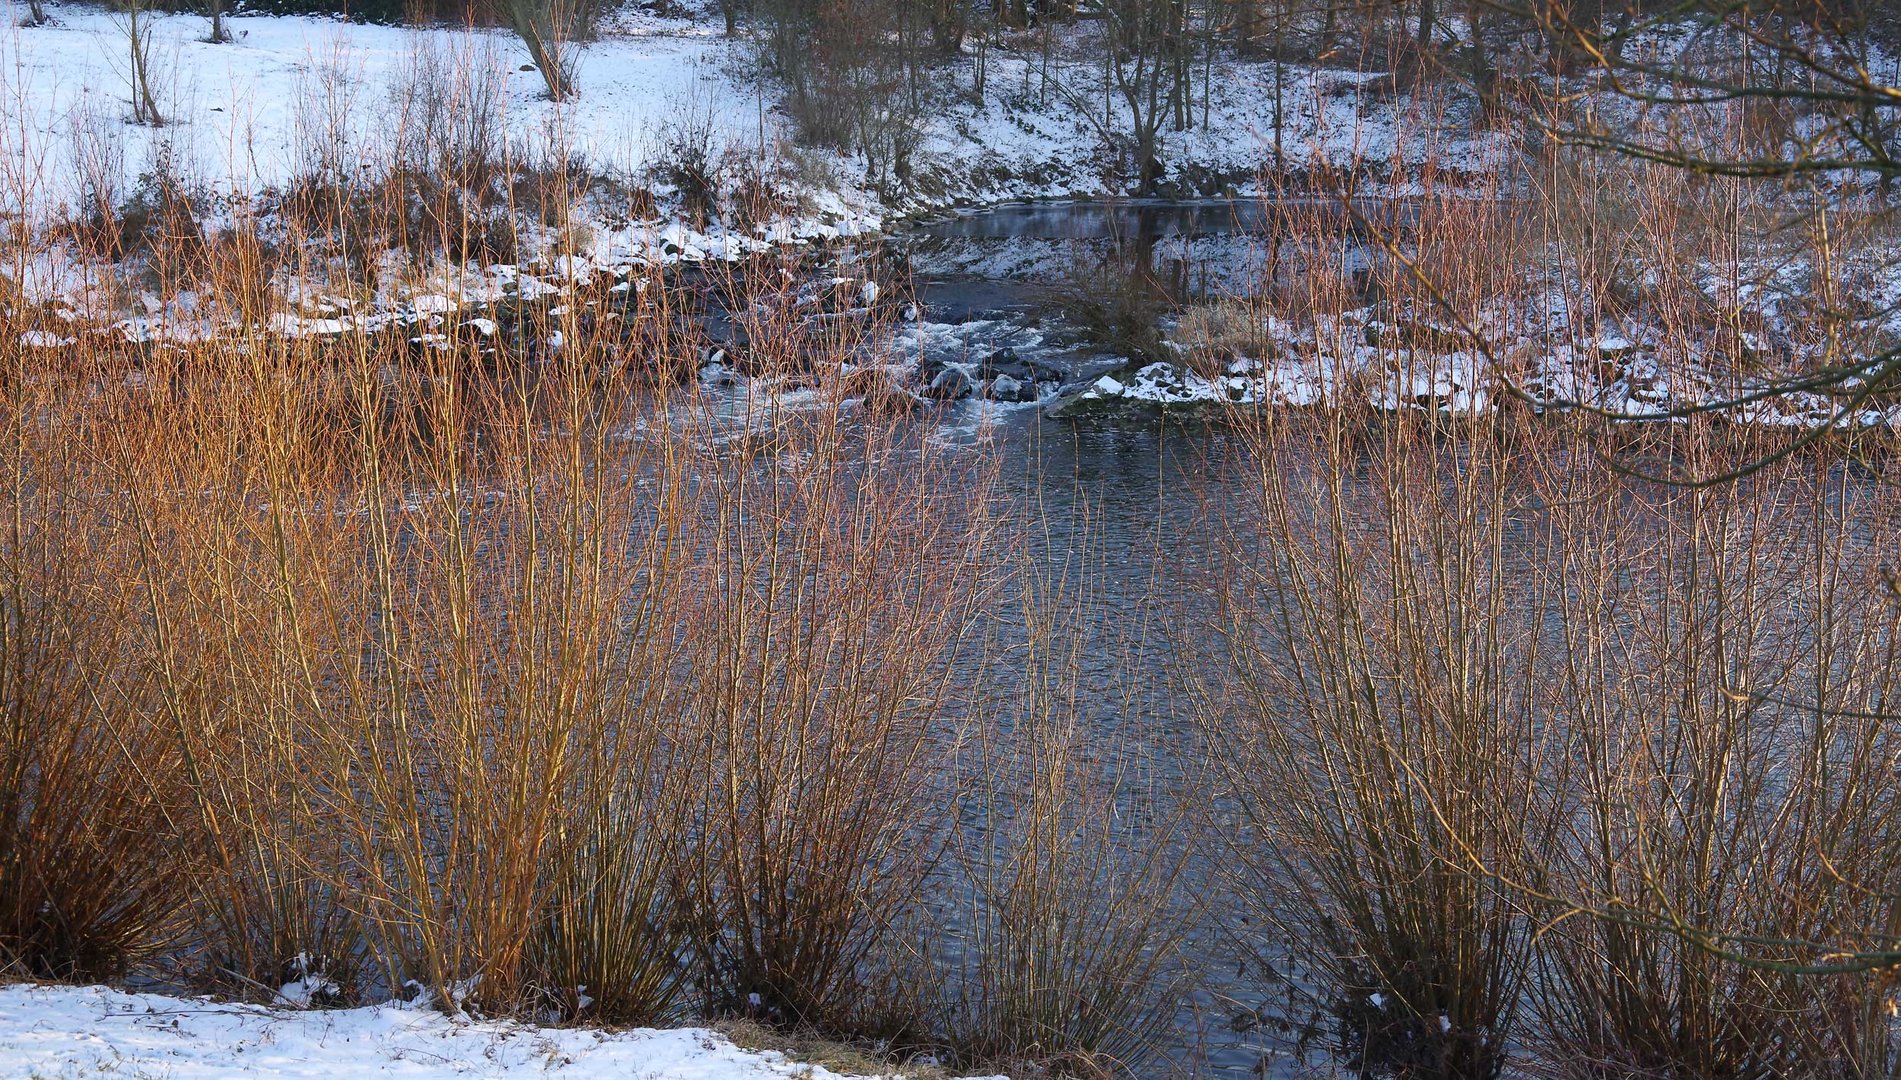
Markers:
{"x": 538, "y": 680}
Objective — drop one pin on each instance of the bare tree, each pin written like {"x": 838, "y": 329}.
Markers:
{"x": 730, "y": 11}
{"x": 219, "y": 35}
{"x": 950, "y": 21}
{"x": 1143, "y": 43}
{"x": 139, "y": 66}
{"x": 553, "y": 30}
{"x": 858, "y": 75}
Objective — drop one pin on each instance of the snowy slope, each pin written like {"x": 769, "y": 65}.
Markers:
{"x": 235, "y": 110}
{"x": 58, "y": 1031}
{"x": 244, "y": 116}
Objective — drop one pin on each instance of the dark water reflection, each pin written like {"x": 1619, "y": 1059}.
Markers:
{"x": 1151, "y": 219}
{"x": 1118, "y": 517}
{"x": 1089, "y": 278}
{"x": 1131, "y": 515}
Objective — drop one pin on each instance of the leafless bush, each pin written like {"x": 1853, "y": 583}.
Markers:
{"x": 324, "y": 124}
{"x": 1526, "y": 744}
{"x": 135, "y": 22}
{"x": 684, "y": 155}
{"x": 1722, "y": 692}
{"x": 816, "y": 681}
{"x": 97, "y": 161}
{"x": 446, "y": 112}
{"x": 851, "y": 81}
{"x": 1377, "y": 741}
{"x": 1076, "y": 853}
{"x": 442, "y": 686}
{"x": 93, "y": 875}
{"x": 163, "y": 216}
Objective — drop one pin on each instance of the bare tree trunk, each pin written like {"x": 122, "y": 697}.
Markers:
{"x": 1175, "y": 43}
{"x": 1208, "y": 69}
{"x": 550, "y": 30}
{"x": 219, "y": 35}
{"x": 1247, "y": 24}
{"x": 144, "y": 102}
{"x": 948, "y": 26}
{"x": 982, "y": 69}
{"x": 1484, "y": 72}
{"x": 1280, "y": 80}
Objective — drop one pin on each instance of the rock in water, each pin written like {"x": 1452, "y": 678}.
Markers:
{"x": 950, "y": 384}
{"x": 1005, "y": 388}
{"x": 1006, "y": 363}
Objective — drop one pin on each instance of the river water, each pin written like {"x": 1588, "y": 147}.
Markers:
{"x": 1130, "y": 508}
{"x": 1119, "y": 512}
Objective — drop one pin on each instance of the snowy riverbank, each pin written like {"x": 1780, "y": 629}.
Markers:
{"x": 51, "y": 1032}
{"x": 254, "y": 113}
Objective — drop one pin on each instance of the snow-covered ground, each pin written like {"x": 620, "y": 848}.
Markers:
{"x": 248, "y": 114}
{"x": 292, "y": 97}
{"x": 49, "y": 1032}
{"x": 1624, "y": 369}
{"x": 252, "y": 114}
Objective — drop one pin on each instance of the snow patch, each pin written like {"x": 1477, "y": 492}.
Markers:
{"x": 48, "y": 1031}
